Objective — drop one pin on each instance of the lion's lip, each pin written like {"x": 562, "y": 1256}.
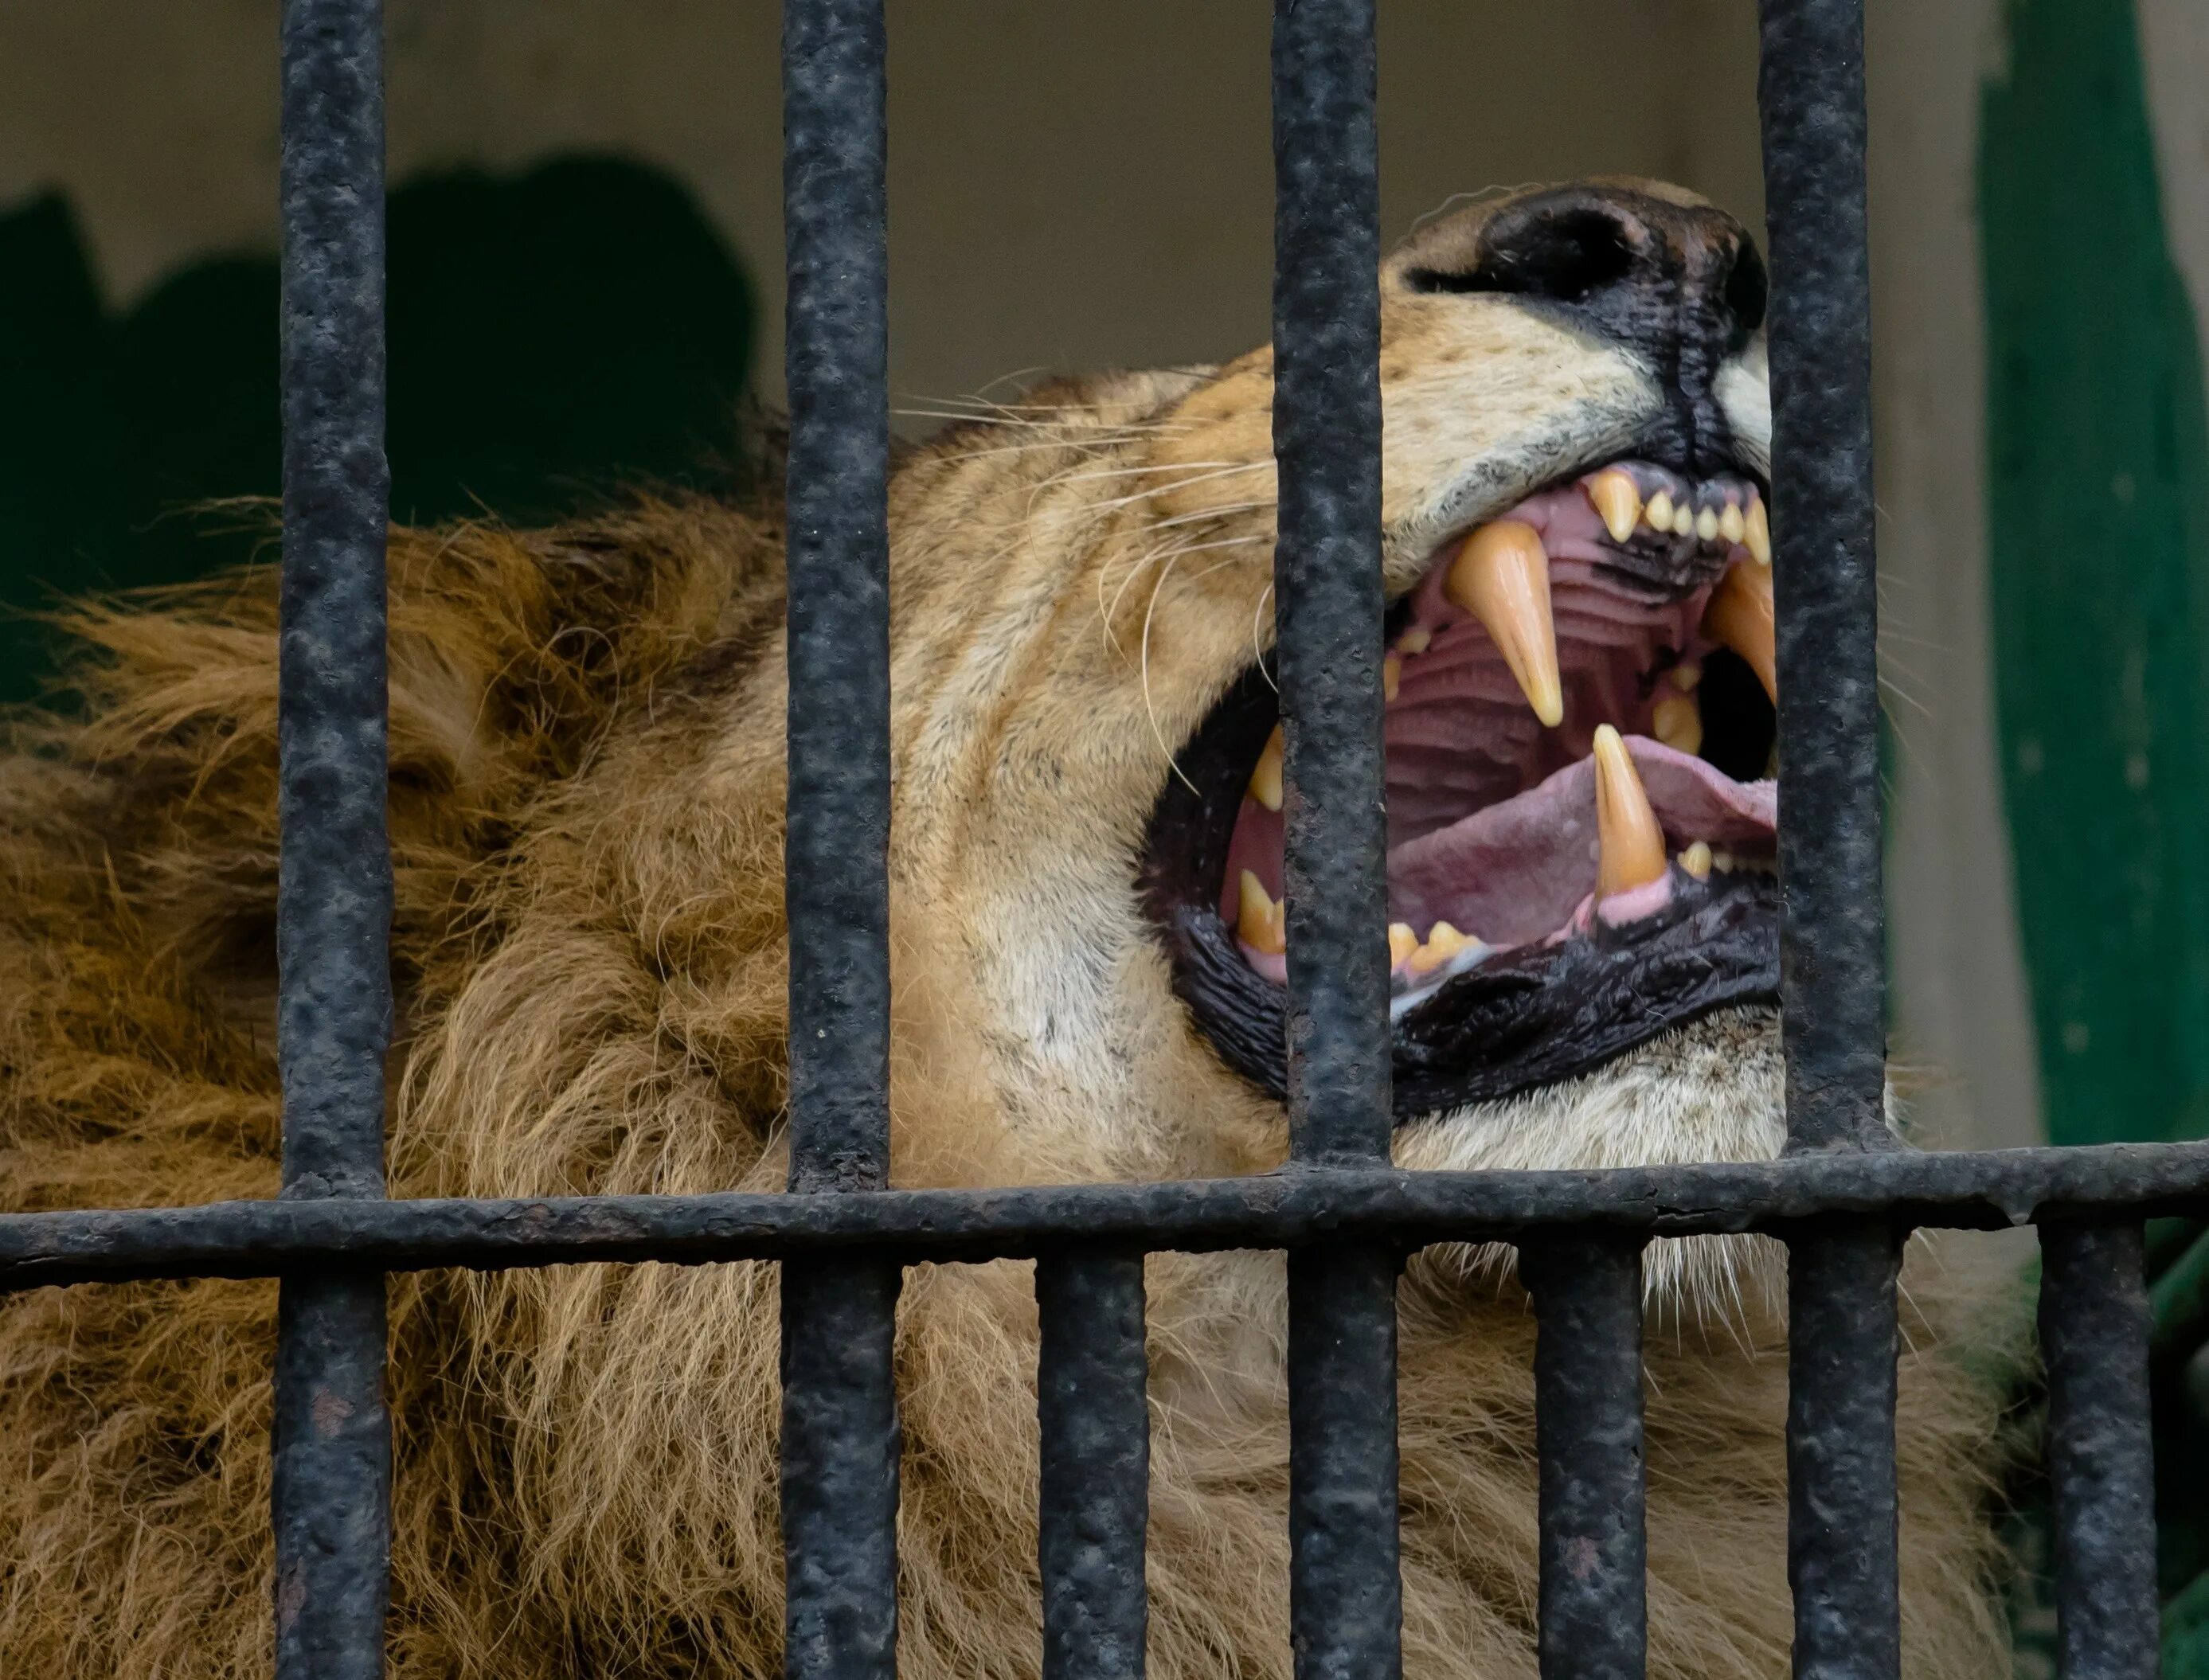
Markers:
{"x": 1509, "y": 971}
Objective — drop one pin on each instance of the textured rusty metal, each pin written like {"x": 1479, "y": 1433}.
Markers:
{"x": 2101, "y": 1452}
{"x": 1093, "y": 1413}
{"x": 1593, "y": 1605}
{"x": 331, "y": 1490}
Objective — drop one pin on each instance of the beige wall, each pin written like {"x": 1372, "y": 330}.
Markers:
{"x": 1085, "y": 182}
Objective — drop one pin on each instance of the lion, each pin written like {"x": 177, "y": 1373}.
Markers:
{"x": 590, "y": 961}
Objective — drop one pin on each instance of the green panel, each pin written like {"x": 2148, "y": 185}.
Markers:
{"x": 2098, "y": 487}
{"x": 553, "y": 337}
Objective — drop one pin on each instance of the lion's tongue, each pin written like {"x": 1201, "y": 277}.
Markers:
{"x": 1517, "y": 870}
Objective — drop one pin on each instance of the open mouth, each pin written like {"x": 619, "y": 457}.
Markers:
{"x": 1579, "y": 734}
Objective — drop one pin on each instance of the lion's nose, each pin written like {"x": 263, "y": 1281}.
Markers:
{"x": 1627, "y": 258}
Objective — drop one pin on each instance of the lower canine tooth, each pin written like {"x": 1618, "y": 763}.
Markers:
{"x": 1740, "y": 615}
{"x": 1444, "y": 942}
{"x": 1629, "y": 845}
{"x": 1259, "y": 922}
{"x": 1266, "y": 779}
{"x": 1678, "y": 722}
{"x": 1617, "y": 498}
{"x": 1501, "y": 577}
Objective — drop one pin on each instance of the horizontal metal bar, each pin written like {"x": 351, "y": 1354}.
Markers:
{"x": 2101, "y": 1452}
{"x": 1093, "y": 1409}
{"x": 1588, "y": 1439}
{"x": 1991, "y": 1190}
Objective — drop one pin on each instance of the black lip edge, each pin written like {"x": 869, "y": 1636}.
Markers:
{"x": 1510, "y": 1025}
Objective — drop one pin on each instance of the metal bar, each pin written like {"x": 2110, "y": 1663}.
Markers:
{"x": 1094, "y": 1413}
{"x": 1587, "y": 1429}
{"x": 1991, "y": 1191}
{"x": 1833, "y": 942}
{"x": 1345, "y": 1594}
{"x": 2101, "y": 1455}
{"x": 840, "y": 1444}
{"x": 1843, "y": 1547}
{"x": 331, "y": 1440}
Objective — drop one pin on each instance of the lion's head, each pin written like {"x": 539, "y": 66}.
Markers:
{"x": 586, "y": 810}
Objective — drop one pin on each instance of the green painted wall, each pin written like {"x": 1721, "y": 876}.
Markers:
{"x": 555, "y": 336}
{"x": 2097, "y": 480}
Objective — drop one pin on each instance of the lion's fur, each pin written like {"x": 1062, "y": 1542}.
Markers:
{"x": 589, "y": 949}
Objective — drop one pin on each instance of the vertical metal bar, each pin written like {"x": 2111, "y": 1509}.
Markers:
{"x": 1588, "y": 1438}
{"x": 839, "y": 1426}
{"x": 332, "y": 1437}
{"x": 2094, "y": 1337}
{"x": 1345, "y": 1602}
{"x": 1842, "y": 1534}
{"x": 1092, "y": 1407}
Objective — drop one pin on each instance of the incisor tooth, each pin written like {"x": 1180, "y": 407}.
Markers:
{"x": 1629, "y": 845}
{"x": 1501, "y": 576}
{"x": 1686, "y": 675}
{"x": 1417, "y": 640}
{"x": 1618, "y": 499}
{"x": 1696, "y": 860}
{"x": 1266, "y": 779}
{"x": 1259, "y": 922}
{"x": 1678, "y": 723}
{"x": 1740, "y": 616}
{"x": 1659, "y": 511}
{"x": 1444, "y": 942}
{"x": 1707, "y": 525}
{"x": 1756, "y": 531}
{"x": 1731, "y": 525}
{"x": 1402, "y": 941}
{"x": 1391, "y": 677}
{"x": 1683, "y": 520}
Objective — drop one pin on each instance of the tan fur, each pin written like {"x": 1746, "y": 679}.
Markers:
{"x": 587, "y": 819}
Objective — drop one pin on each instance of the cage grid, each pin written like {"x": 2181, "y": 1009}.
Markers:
{"x": 1843, "y": 1197}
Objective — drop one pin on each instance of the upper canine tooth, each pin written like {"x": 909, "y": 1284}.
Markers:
{"x": 1259, "y": 922}
{"x": 1501, "y": 577}
{"x": 1756, "y": 531}
{"x": 1731, "y": 525}
{"x": 1740, "y": 616}
{"x": 1266, "y": 779}
{"x": 1618, "y": 499}
{"x": 1629, "y": 844}
{"x": 1659, "y": 511}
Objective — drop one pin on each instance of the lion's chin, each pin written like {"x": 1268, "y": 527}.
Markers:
{"x": 1713, "y": 1090}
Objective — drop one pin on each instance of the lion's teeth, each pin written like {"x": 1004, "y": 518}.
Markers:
{"x": 1443, "y": 941}
{"x": 1731, "y": 525}
{"x": 1678, "y": 722}
{"x": 1707, "y": 525}
{"x": 1391, "y": 677}
{"x": 1266, "y": 779}
{"x": 1417, "y": 640}
{"x": 1259, "y": 922}
{"x": 1501, "y": 577}
{"x": 1658, "y": 513}
{"x": 1740, "y": 616}
{"x": 1629, "y": 844}
{"x": 1402, "y": 941}
{"x": 1696, "y": 860}
{"x": 1756, "y": 531}
{"x": 1617, "y": 498}
{"x": 1683, "y": 520}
